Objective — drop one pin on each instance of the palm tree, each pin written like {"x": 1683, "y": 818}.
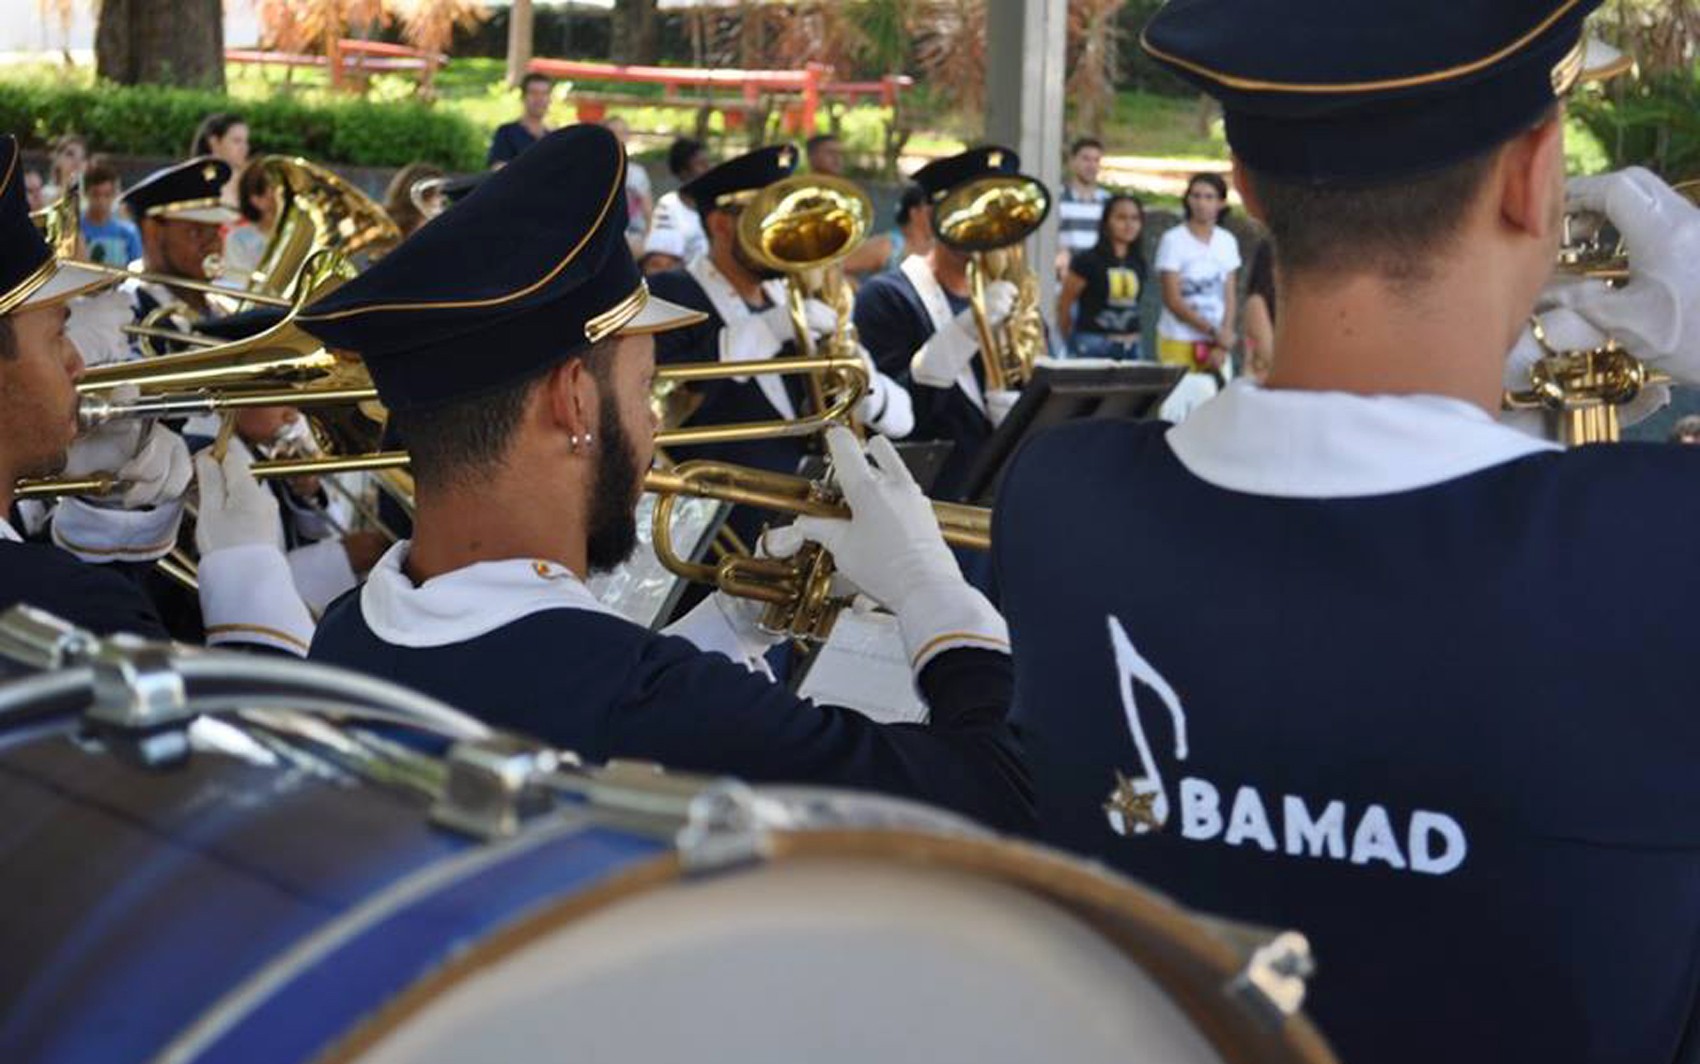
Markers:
{"x": 429, "y": 25}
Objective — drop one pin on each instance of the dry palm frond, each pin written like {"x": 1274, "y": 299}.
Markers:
{"x": 1094, "y": 40}
{"x": 950, "y": 49}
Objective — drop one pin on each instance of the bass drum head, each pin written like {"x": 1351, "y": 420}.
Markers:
{"x": 819, "y": 960}
{"x": 847, "y": 945}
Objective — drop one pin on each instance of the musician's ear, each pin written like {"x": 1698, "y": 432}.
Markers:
{"x": 1530, "y": 176}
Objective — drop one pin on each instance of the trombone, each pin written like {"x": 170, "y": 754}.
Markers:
{"x": 989, "y": 219}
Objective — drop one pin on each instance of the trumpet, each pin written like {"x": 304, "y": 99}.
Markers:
{"x": 989, "y": 219}
{"x": 1582, "y": 391}
{"x": 797, "y": 592}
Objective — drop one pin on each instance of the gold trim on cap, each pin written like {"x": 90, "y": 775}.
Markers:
{"x": 1349, "y": 87}
{"x": 189, "y": 205}
{"x": 1568, "y": 71}
{"x": 609, "y": 321}
{"x": 618, "y": 189}
{"x": 21, "y": 293}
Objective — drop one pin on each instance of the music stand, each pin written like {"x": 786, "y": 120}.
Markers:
{"x": 1064, "y": 391}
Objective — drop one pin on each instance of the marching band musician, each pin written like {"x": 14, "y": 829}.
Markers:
{"x": 180, "y": 211}
{"x": 917, "y": 324}
{"x": 747, "y": 320}
{"x": 1448, "y": 744}
{"x": 39, "y": 368}
{"x": 528, "y": 460}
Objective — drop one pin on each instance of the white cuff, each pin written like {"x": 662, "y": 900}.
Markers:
{"x": 310, "y": 520}
{"x": 888, "y": 409}
{"x": 321, "y": 572}
{"x": 98, "y": 534}
{"x": 949, "y": 615}
{"x": 749, "y": 340}
{"x": 248, "y": 596}
{"x": 715, "y": 626}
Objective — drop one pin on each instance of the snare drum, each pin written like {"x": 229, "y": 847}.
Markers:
{"x": 287, "y": 890}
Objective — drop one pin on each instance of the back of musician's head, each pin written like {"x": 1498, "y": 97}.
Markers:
{"x": 682, "y": 153}
{"x": 459, "y": 442}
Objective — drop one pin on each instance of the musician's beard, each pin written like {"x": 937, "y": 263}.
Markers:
{"x": 756, "y": 269}
{"x": 614, "y": 495}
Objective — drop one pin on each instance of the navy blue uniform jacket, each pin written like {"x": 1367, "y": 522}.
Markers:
{"x": 606, "y": 688}
{"x": 89, "y": 596}
{"x": 1451, "y": 733}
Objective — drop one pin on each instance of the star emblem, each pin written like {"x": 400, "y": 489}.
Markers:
{"x": 209, "y": 173}
{"x": 1131, "y": 809}
{"x": 995, "y": 160}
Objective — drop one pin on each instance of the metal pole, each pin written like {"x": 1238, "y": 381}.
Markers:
{"x": 1026, "y": 41}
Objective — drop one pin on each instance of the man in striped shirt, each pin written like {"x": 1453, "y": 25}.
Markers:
{"x": 1082, "y": 202}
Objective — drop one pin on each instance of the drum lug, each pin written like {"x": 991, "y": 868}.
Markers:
{"x": 41, "y": 642}
{"x": 725, "y": 830}
{"x": 493, "y": 786}
{"x": 141, "y": 704}
{"x": 1272, "y": 984}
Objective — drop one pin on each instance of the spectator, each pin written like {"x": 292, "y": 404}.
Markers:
{"x": 1082, "y": 202}
{"x": 245, "y": 244}
{"x": 826, "y": 154}
{"x": 408, "y": 210}
{"x": 663, "y": 250}
{"x": 914, "y": 232}
{"x": 1259, "y": 317}
{"x": 687, "y": 159}
{"x": 223, "y": 136}
{"x": 69, "y": 159}
{"x": 108, "y": 238}
{"x": 33, "y": 185}
{"x": 640, "y": 193}
{"x": 1198, "y": 264}
{"x": 536, "y": 91}
{"x": 1686, "y": 430}
{"x": 1105, "y": 281}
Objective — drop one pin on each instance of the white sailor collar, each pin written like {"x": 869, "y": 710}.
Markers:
{"x": 1319, "y": 445}
{"x": 8, "y": 533}
{"x": 468, "y": 602}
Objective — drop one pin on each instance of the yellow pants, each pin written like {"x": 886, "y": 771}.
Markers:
{"x": 1172, "y": 352}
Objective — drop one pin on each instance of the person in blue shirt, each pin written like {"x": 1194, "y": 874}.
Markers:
{"x": 529, "y": 462}
{"x": 511, "y": 138}
{"x": 110, "y": 239}
{"x": 1346, "y": 652}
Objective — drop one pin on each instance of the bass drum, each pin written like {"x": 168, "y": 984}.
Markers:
{"x": 281, "y": 888}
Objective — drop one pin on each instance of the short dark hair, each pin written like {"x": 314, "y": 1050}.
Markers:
{"x": 1393, "y": 231}
{"x": 216, "y": 124}
{"x": 99, "y": 172}
{"x": 913, "y": 196}
{"x": 1103, "y": 243}
{"x": 457, "y": 441}
{"x": 253, "y": 182}
{"x": 533, "y": 78}
{"x": 680, "y": 154}
{"x": 818, "y": 139}
{"x": 1082, "y": 143}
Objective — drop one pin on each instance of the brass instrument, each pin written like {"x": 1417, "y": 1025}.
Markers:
{"x": 803, "y": 226}
{"x": 989, "y": 219}
{"x": 797, "y": 591}
{"x": 1581, "y": 391}
{"x": 317, "y": 210}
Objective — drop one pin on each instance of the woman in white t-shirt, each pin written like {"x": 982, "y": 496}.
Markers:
{"x": 1198, "y": 264}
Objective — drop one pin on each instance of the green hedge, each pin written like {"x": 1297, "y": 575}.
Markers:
{"x": 1652, "y": 122}
{"x": 157, "y": 120}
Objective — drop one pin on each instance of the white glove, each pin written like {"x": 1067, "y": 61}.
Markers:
{"x": 999, "y": 403}
{"x": 891, "y": 548}
{"x": 762, "y": 334}
{"x": 943, "y": 358}
{"x": 1656, "y": 316}
{"x": 891, "y": 544}
{"x": 96, "y": 326}
{"x": 150, "y": 460}
{"x": 1565, "y": 330}
{"x": 236, "y": 510}
{"x": 888, "y": 408}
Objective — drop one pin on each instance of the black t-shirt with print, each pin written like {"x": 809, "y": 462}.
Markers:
{"x": 1110, "y": 303}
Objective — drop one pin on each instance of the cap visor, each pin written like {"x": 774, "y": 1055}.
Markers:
{"x": 1600, "y": 61}
{"x": 658, "y": 315}
{"x": 219, "y": 215}
{"x": 66, "y": 282}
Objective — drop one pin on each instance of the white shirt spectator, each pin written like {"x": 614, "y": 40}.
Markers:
{"x": 1203, "y": 270}
{"x": 673, "y": 213}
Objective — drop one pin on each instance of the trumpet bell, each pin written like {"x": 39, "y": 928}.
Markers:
{"x": 991, "y": 212}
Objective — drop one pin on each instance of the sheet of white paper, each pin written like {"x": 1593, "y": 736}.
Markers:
{"x": 864, "y": 666}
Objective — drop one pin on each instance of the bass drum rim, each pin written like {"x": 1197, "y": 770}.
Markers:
{"x": 1180, "y": 954}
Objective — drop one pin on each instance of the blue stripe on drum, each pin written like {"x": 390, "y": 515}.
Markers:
{"x": 307, "y": 1000}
